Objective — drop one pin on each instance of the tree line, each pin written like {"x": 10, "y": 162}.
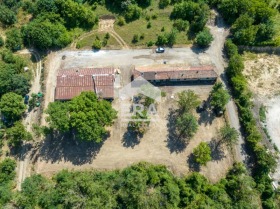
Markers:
{"x": 139, "y": 186}
{"x": 265, "y": 161}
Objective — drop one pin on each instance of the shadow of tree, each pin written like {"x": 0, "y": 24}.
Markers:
{"x": 174, "y": 143}
{"x": 216, "y": 152}
{"x": 206, "y": 117}
{"x": 20, "y": 151}
{"x": 131, "y": 138}
{"x": 193, "y": 165}
{"x": 58, "y": 147}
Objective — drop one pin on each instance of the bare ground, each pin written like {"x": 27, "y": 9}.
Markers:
{"x": 122, "y": 149}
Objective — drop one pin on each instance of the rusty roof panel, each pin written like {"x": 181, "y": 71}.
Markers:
{"x": 72, "y": 82}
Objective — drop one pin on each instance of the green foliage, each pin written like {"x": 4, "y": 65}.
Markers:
{"x": 204, "y": 38}
{"x": 231, "y": 48}
{"x": 163, "y": 3}
{"x": 149, "y": 25}
{"x": 46, "y": 32}
{"x": 196, "y": 13}
{"x": 121, "y": 21}
{"x": 228, "y": 136}
{"x": 7, "y": 170}
{"x": 264, "y": 160}
{"x": 139, "y": 122}
{"x": 82, "y": 114}
{"x": 14, "y": 39}
{"x": 167, "y": 38}
{"x": 150, "y": 43}
{"x": 97, "y": 44}
{"x": 187, "y": 101}
{"x": 75, "y": 14}
{"x": 135, "y": 38}
{"x": 186, "y": 126}
{"x": 181, "y": 25}
{"x": 219, "y": 97}
{"x": 139, "y": 186}
{"x": 11, "y": 106}
{"x": 17, "y": 134}
{"x": 58, "y": 116}
{"x": 202, "y": 153}
{"x": 7, "y": 16}
{"x": 132, "y": 12}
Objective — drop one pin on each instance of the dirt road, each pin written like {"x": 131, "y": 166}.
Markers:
{"x": 29, "y": 119}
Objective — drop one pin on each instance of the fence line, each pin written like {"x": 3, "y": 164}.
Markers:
{"x": 261, "y": 49}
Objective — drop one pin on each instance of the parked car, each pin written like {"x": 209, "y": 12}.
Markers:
{"x": 160, "y": 50}
{"x": 26, "y": 99}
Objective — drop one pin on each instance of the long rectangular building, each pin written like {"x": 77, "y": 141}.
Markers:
{"x": 71, "y": 82}
{"x": 166, "y": 74}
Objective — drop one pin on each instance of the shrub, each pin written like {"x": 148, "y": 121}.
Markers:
{"x": 150, "y": 43}
{"x": 162, "y": 29}
{"x": 204, "y": 38}
{"x": 148, "y": 17}
{"x": 97, "y": 44}
{"x": 107, "y": 36}
{"x": 231, "y": 48}
{"x": 142, "y": 36}
{"x": 121, "y": 21}
{"x": 149, "y": 25}
{"x": 154, "y": 16}
{"x": 135, "y": 38}
{"x": 133, "y": 12}
{"x": 181, "y": 25}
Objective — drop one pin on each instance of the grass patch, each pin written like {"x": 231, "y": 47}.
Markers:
{"x": 151, "y": 24}
{"x": 88, "y": 41}
{"x": 250, "y": 56}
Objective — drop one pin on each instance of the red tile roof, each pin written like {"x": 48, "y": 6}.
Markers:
{"x": 72, "y": 82}
{"x": 166, "y": 73}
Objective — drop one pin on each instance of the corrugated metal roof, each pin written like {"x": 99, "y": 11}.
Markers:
{"x": 72, "y": 82}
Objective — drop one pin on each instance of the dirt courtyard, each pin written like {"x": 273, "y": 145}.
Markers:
{"x": 121, "y": 149}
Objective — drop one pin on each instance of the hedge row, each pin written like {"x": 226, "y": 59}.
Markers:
{"x": 265, "y": 161}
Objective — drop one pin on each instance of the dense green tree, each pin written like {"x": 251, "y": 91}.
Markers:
{"x": 58, "y": 116}
{"x": 45, "y": 33}
{"x": 75, "y": 14}
{"x": 187, "y": 101}
{"x": 7, "y": 16}
{"x": 186, "y": 126}
{"x": 43, "y": 6}
{"x": 161, "y": 40}
{"x": 17, "y": 134}
{"x": 227, "y": 136}
{"x": 219, "y": 97}
{"x": 86, "y": 112}
{"x": 144, "y": 3}
{"x": 171, "y": 37}
{"x": 7, "y": 170}
{"x": 132, "y": 12}
{"x": 202, "y": 153}
{"x": 231, "y": 48}
{"x": 14, "y": 39}
{"x": 204, "y": 38}
{"x": 11, "y": 106}
{"x": 196, "y": 13}
{"x": 20, "y": 84}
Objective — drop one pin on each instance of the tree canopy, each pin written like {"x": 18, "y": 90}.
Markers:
{"x": 17, "y": 134}
{"x": 85, "y": 114}
{"x": 11, "y": 106}
{"x": 219, "y": 96}
{"x": 202, "y": 153}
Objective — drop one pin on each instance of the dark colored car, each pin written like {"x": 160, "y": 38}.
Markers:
{"x": 26, "y": 99}
{"x": 160, "y": 50}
